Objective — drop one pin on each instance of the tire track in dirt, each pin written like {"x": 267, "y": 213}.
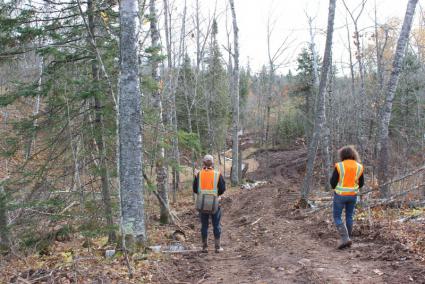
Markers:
{"x": 266, "y": 241}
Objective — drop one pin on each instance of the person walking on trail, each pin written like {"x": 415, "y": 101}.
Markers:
{"x": 346, "y": 180}
{"x": 209, "y": 185}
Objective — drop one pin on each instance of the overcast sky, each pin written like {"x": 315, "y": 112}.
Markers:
{"x": 290, "y": 20}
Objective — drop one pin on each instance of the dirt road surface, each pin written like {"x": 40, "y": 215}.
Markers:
{"x": 267, "y": 241}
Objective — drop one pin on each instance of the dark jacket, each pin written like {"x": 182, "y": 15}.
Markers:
{"x": 221, "y": 186}
{"x": 335, "y": 178}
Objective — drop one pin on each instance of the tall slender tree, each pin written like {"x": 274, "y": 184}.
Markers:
{"x": 161, "y": 162}
{"x": 383, "y": 139}
{"x": 235, "y": 99}
{"x": 360, "y": 63}
{"x": 100, "y": 127}
{"x": 325, "y": 141}
{"x": 130, "y": 126}
{"x": 172, "y": 80}
{"x": 4, "y": 232}
{"x": 320, "y": 109}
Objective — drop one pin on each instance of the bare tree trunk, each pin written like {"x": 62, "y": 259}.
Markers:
{"x": 359, "y": 55}
{"x": 209, "y": 127}
{"x": 361, "y": 129}
{"x": 269, "y": 100}
{"x": 235, "y": 101}
{"x": 172, "y": 94}
{"x": 75, "y": 149}
{"x": 326, "y": 133}
{"x": 161, "y": 161}
{"x": 37, "y": 101}
{"x": 312, "y": 99}
{"x": 5, "y": 115}
{"x": 320, "y": 115}
{"x": 99, "y": 134}
{"x": 36, "y": 110}
{"x": 314, "y": 54}
{"x": 104, "y": 172}
{"x": 130, "y": 127}
{"x": 383, "y": 139}
{"x": 379, "y": 92}
{"x": 4, "y": 232}
{"x": 379, "y": 52}
{"x": 353, "y": 91}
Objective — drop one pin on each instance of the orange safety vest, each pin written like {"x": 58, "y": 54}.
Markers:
{"x": 208, "y": 181}
{"x": 349, "y": 173}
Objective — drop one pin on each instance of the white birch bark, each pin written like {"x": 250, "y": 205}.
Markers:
{"x": 383, "y": 139}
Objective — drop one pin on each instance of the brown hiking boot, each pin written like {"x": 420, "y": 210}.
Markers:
{"x": 204, "y": 245}
{"x": 218, "y": 248}
{"x": 345, "y": 239}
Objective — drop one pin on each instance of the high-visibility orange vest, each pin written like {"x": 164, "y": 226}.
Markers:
{"x": 208, "y": 181}
{"x": 349, "y": 173}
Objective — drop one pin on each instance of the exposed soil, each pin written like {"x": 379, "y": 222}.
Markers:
{"x": 266, "y": 240}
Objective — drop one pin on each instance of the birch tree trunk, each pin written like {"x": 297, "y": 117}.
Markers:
{"x": 320, "y": 115}
{"x": 130, "y": 127}
{"x": 235, "y": 100}
{"x": 161, "y": 162}
{"x": 383, "y": 139}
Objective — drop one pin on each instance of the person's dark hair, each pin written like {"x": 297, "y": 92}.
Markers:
{"x": 208, "y": 163}
{"x": 348, "y": 153}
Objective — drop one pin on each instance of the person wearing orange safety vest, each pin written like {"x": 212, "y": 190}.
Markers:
{"x": 210, "y": 181}
{"x": 346, "y": 180}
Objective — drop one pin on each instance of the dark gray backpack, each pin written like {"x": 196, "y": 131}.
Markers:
{"x": 207, "y": 199}
{"x": 207, "y": 203}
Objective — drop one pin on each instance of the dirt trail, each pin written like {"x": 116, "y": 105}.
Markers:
{"x": 266, "y": 241}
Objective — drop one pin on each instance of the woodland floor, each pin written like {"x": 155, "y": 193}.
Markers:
{"x": 266, "y": 240}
